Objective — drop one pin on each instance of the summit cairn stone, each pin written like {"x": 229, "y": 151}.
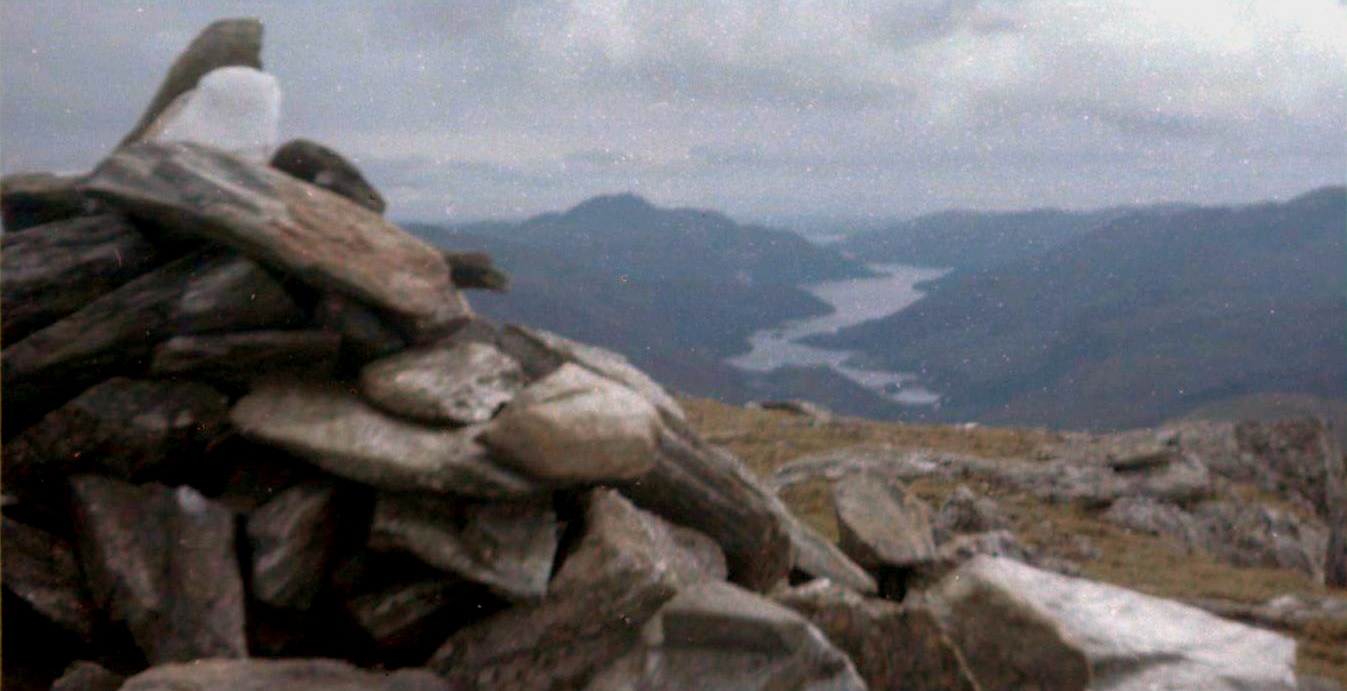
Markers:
{"x": 573, "y": 427}
{"x": 458, "y": 384}
{"x": 339, "y": 432}
{"x": 290, "y": 225}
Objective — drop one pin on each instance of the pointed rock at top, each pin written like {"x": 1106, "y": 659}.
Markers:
{"x": 237, "y": 109}
{"x": 292, "y": 226}
{"x": 224, "y": 43}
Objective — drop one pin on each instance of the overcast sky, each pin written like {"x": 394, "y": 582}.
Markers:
{"x": 765, "y": 110}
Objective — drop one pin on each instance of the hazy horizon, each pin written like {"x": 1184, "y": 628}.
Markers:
{"x": 773, "y": 113}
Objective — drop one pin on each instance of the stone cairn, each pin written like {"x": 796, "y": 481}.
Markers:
{"x": 255, "y": 438}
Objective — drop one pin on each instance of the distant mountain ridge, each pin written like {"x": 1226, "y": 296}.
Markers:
{"x": 675, "y": 290}
{"x": 1141, "y": 319}
{"x": 976, "y": 240}
{"x": 626, "y": 235}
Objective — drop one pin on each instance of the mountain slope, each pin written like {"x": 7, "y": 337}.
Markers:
{"x": 1142, "y": 319}
{"x": 675, "y": 290}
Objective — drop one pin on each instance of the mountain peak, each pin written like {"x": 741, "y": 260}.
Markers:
{"x": 611, "y": 204}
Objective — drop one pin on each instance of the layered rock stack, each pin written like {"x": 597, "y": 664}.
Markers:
{"x": 255, "y": 437}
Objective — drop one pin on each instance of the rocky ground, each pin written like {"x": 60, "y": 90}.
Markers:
{"x": 255, "y": 437}
{"x": 1240, "y": 578}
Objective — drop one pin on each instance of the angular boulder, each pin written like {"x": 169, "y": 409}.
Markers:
{"x": 293, "y": 539}
{"x": 337, "y": 431}
{"x": 178, "y": 604}
{"x": 881, "y": 524}
{"x": 318, "y": 165}
{"x": 626, "y": 565}
{"x": 893, "y": 647}
{"x": 56, "y": 269}
{"x": 456, "y": 384}
{"x": 705, "y": 488}
{"x": 576, "y": 427}
{"x": 548, "y": 346}
{"x": 619, "y": 534}
{"x": 1019, "y": 627}
{"x": 507, "y": 546}
{"x": 817, "y": 556}
{"x": 130, "y": 428}
{"x": 42, "y": 570}
{"x": 290, "y": 225}
{"x": 279, "y": 675}
{"x": 716, "y": 636}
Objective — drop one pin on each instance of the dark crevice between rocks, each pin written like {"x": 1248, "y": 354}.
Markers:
{"x": 894, "y": 581}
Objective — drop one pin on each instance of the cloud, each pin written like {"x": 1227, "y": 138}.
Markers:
{"x": 808, "y": 107}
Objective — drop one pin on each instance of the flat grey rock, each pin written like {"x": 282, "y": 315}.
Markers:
{"x": 293, "y": 539}
{"x": 53, "y": 270}
{"x": 336, "y": 430}
{"x": 507, "y": 546}
{"x": 178, "y": 604}
{"x": 460, "y": 384}
{"x": 576, "y": 427}
{"x": 1017, "y": 625}
{"x": 287, "y": 224}
{"x": 280, "y": 675}
{"x": 881, "y": 524}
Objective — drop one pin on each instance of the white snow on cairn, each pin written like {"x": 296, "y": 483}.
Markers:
{"x": 237, "y": 109}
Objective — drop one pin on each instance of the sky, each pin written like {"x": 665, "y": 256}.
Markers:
{"x": 769, "y": 111}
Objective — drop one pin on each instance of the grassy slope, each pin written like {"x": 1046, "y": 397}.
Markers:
{"x": 766, "y": 439}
